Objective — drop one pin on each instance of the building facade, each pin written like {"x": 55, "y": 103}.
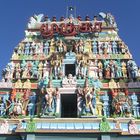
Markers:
{"x": 71, "y": 78}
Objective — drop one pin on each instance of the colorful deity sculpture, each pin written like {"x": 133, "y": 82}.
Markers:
{"x": 87, "y": 46}
{"x": 46, "y": 48}
{"x": 104, "y": 125}
{"x": 49, "y": 102}
{"x": 132, "y": 69}
{"x": 27, "y": 84}
{"x": 87, "y": 103}
{"x": 27, "y": 48}
{"x": 100, "y": 48}
{"x": 80, "y": 46}
{"x": 94, "y": 47}
{"x": 132, "y": 127}
{"x": 2, "y": 107}
{"x": 112, "y": 84}
{"x": 25, "y": 100}
{"x": 99, "y": 106}
{"x": 52, "y": 46}
{"x": 56, "y": 67}
{"x": 106, "y": 110}
{"x": 114, "y": 47}
{"x": 124, "y": 70}
{"x": 18, "y": 84}
{"x": 135, "y": 103}
{"x": 32, "y": 104}
{"x": 4, "y": 128}
{"x": 122, "y": 104}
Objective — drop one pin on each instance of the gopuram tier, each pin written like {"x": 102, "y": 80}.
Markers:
{"x": 71, "y": 68}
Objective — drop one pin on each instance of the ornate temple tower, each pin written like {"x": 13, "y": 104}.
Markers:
{"x": 71, "y": 68}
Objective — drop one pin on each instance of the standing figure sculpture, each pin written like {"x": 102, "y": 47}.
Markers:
{"x": 49, "y": 104}
{"x": 106, "y": 110}
{"x": 94, "y": 47}
{"x": 32, "y": 104}
{"x": 135, "y": 107}
{"x": 114, "y": 47}
{"x": 88, "y": 99}
{"x": 46, "y": 48}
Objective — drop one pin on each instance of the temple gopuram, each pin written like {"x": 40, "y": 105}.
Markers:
{"x": 71, "y": 78}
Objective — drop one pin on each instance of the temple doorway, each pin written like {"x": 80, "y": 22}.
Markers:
{"x": 68, "y": 105}
{"x": 70, "y": 69}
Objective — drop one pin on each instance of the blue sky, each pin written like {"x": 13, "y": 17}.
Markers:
{"x": 14, "y": 15}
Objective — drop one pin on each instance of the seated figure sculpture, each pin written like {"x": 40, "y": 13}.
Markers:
{"x": 27, "y": 84}
{"x": 18, "y": 84}
{"x": 133, "y": 129}
{"x": 69, "y": 82}
{"x": 112, "y": 84}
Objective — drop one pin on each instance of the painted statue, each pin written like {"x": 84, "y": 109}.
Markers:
{"x": 106, "y": 110}
{"x": 18, "y": 84}
{"x": 27, "y": 84}
{"x": 135, "y": 103}
{"x": 94, "y": 47}
{"x": 114, "y": 47}
{"x": 32, "y": 104}
{"x": 104, "y": 125}
{"x": 99, "y": 106}
{"x": 124, "y": 69}
{"x": 4, "y": 128}
{"x": 27, "y": 48}
{"x": 49, "y": 106}
{"x": 46, "y": 48}
{"x": 88, "y": 106}
{"x": 35, "y": 20}
{"x": 25, "y": 100}
{"x": 122, "y": 104}
{"x": 2, "y": 107}
{"x": 132, "y": 127}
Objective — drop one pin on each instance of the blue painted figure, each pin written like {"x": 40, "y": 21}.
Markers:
{"x": 32, "y": 104}
{"x": 2, "y": 107}
{"x": 23, "y": 64}
{"x": 118, "y": 72}
{"x": 83, "y": 70}
{"x": 100, "y": 48}
{"x": 93, "y": 100}
{"x": 46, "y": 48}
{"x": 94, "y": 47}
{"x": 135, "y": 103}
{"x": 27, "y": 49}
{"x": 132, "y": 69}
{"x": 114, "y": 47}
{"x": 106, "y": 110}
{"x": 34, "y": 70}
